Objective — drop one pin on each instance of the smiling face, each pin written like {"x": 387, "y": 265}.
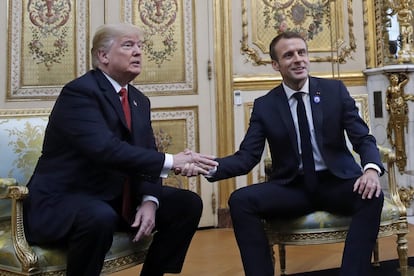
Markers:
{"x": 122, "y": 61}
{"x": 292, "y": 61}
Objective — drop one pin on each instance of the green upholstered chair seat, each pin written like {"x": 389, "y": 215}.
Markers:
{"x": 322, "y": 221}
{"x": 53, "y": 258}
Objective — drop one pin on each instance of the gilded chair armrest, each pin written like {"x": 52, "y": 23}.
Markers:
{"x": 389, "y": 158}
{"x": 9, "y": 189}
{"x": 387, "y": 154}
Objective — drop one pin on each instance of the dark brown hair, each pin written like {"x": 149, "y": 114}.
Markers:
{"x": 284, "y": 35}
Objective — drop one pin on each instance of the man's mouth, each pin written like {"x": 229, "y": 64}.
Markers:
{"x": 299, "y": 69}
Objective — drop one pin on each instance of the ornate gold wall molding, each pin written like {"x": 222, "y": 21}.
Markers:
{"x": 325, "y": 23}
{"x": 224, "y": 97}
{"x": 47, "y": 46}
{"x": 169, "y": 45}
{"x": 267, "y": 82}
{"x": 176, "y": 129}
{"x": 361, "y": 101}
{"x": 373, "y": 33}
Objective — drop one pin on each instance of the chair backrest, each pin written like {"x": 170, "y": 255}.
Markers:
{"x": 21, "y": 138}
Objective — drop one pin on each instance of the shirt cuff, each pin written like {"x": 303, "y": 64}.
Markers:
{"x": 168, "y": 163}
{"x": 211, "y": 172}
{"x": 150, "y": 198}
{"x": 373, "y": 166}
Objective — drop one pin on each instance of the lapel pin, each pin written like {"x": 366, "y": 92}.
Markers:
{"x": 317, "y": 97}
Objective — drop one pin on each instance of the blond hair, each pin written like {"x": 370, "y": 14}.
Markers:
{"x": 105, "y": 36}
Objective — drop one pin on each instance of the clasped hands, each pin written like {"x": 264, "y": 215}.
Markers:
{"x": 189, "y": 163}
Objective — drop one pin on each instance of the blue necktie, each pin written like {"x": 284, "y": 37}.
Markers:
{"x": 305, "y": 144}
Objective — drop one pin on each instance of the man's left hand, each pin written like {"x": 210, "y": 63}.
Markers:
{"x": 368, "y": 184}
{"x": 145, "y": 219}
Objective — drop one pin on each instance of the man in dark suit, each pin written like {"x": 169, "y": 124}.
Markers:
{"x": 333, "y": 181}
{"x": 92, "y": 149}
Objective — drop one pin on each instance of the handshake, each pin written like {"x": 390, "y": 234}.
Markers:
{"x": 189, "y": 163}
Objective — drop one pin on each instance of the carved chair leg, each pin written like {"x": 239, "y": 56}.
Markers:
{"x": 402, "y": 248}
{"x": 376, "y": 255}
{"x": 282, "y": 259}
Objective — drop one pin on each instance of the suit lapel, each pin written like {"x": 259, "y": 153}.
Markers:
{"x": 112, "y": 95}
{"x": 137, "y": 108}
{"x": 282, "y": 105}
{"x": 316, "y": 102}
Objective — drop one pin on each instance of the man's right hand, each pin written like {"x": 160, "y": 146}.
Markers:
{"x": 199, "y": 163}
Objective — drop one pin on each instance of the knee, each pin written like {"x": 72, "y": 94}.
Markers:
{"x": 100, "y": 221}
{"x": 237, "y": 199}
{"x": 378, "y": 201}
{"x": 194, "y": 201}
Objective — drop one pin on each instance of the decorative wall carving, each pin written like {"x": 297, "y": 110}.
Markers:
{"x": 47, "y": 46}
{"x": 319, "y": 22}
{"x": 397, "y": 107}
{"x": 169, "y": 52}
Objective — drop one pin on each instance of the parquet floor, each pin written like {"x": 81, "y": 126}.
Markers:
{"x": 214, "y": 252}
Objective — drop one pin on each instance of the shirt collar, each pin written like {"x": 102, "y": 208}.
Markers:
{"x": 289, "y": 91}
{"x": 114, "y": 83}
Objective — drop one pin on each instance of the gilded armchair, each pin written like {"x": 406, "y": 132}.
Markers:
{"x": 323, "y": 227}
{"x": 21, "y": 135}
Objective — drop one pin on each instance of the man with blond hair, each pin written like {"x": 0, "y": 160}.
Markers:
{"x": 99, "y": 140}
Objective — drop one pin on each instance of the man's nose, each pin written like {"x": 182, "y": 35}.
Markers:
{"x": 297, "y": 57}
{"x": 137, "y": 49}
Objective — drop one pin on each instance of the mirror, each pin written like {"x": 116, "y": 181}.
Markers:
{"x": 397, "y": 27}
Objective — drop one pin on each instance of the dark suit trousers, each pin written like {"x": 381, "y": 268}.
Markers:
{"x": 91, "y": 234}
{"x": 249, "y": 205}
{"x": 176, "y": 222}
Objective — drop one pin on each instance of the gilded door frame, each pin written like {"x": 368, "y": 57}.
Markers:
{"x": 224, "y": 84}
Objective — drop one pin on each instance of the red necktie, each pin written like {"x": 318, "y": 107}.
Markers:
{"x": 126, "y": 194}
{"x": 125, "y": 105}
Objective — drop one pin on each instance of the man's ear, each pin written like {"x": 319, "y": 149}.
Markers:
{"x": 103, "y": 57}
{"x": 275, "y": 65}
